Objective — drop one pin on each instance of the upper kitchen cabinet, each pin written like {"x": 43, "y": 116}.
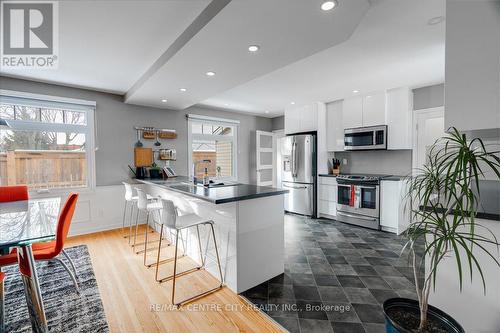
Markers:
{"x": 392, "y": 108}
{"x": 303, "y": 118}
{"x": 398, "y": 118}
{"x": 364, "y": 111}
{"x": 352, "y": 112}
{"x": 374, "y": 109}
{"x": 335, "y": 130}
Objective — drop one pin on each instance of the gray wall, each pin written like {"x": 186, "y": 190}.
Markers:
{"x": 116, "y": 137}
{"x": 278, "y": 123}
{"x": 428, "y": 97}
{"x": 389, "y": 162}
{"x": 472, "y": 67}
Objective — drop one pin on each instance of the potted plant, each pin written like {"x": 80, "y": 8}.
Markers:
{"x": 155, "y": 171}
{"x": 443, "y": 198}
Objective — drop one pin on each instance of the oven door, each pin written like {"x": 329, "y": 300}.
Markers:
{"x": 358, "y": 199}
{"x": 344, "y": 197}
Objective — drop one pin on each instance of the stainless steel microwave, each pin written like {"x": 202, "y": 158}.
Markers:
{"x": 365, "y": 138}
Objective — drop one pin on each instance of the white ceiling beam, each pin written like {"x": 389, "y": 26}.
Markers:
{"x": 196, "y": 26}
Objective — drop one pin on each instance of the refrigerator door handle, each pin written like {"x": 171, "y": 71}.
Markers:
{"x": 294, "y": 159}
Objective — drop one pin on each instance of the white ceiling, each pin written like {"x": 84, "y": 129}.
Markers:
{"x": 306, "y": 55}
{"x": 286, "y": 30}
{"x": 393, "y": 46}
{"x": 107, "y": 44}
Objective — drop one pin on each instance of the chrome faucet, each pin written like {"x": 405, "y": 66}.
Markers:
{"x": 194, "y": 168}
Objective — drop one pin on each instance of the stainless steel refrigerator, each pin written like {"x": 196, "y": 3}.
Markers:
{"x": 298, "y": 173}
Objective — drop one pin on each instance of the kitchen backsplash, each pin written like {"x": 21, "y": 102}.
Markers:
{"x": 392, "y": 162}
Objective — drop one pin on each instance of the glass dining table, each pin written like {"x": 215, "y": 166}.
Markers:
{"x": 23, "y": 223}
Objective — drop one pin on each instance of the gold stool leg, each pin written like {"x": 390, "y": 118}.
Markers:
{"x": 146, "y": 238}
{"x": 130, "y": 224}
{"x": 203, "y": 293}
{"x": 175, "y": 266}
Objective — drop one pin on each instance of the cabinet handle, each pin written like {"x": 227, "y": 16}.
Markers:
{"x": 298, "y": 187}
{"x": 356, "y": 216}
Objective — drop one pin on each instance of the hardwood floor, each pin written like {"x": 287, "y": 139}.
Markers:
{"x": 135, "y": 302}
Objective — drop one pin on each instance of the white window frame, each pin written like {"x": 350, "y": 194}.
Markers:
{"x": 70, "y": 104}
{"x": 193, "y": 119}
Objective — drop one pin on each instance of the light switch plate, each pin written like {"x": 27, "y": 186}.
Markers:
{"x": 344, "y": 161}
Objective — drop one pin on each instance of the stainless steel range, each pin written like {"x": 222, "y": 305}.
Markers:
{"x": 359, "y": 200}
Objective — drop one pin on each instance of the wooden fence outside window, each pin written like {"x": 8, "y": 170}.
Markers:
{"x": 43, "y": 169}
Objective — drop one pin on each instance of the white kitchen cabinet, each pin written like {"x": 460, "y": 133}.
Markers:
{"x": 366, "y": 110}
{"x": 327, "y": 197}
{"x": 308, "y": 118}
{"x": 334, "y": 127}
{"x": 292, "y": 121}
{"x": 399, "y": 118}
{"x": 393, "y": 215}
{"x": 374, "y": 109}
{"x": 302, "y": 118}
{"x": 352, "y": 112}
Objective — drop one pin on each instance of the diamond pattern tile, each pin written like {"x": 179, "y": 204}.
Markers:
{"x": 336, "y": 278}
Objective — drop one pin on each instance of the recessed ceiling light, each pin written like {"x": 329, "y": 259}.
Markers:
{"x": 210, "y": 73}
{"x": 266, "y": 111}
{"x": 355, "y": 91}
{"x": 328, "y": 5}
{"x": 253, "y": 48}
{"x": 436, "y": 20}
{"x": 183, "y": 89}
{"x": 293, "y": 103}
{"x": 164, "y": 100}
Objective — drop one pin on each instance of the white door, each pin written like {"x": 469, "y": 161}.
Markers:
{"x": 429, "y": 126}
{"x": 265, "y": 158}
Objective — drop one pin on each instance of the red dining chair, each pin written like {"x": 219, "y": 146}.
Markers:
{"x": 13, "y": 193}
{"x": 51, "y": 250}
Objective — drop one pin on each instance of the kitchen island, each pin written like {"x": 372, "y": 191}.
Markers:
{"x": 249, "y": 225}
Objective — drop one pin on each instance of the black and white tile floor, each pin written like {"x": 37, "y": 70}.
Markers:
{"x": 336, "y": 278}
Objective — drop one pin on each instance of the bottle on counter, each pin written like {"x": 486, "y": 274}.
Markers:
{"x": 206, "y": 179}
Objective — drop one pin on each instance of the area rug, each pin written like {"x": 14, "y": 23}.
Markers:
{"x": 66, "y": 310}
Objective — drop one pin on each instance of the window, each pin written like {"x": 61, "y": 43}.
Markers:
{"x": 49, "y": 144}
{"x": 215, "y": 140}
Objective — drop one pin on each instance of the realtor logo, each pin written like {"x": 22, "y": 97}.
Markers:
{"x": 29, "y": 34}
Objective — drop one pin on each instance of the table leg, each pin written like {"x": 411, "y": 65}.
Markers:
{"x": 32, "y": 289}
{"x": 2, "y": 308}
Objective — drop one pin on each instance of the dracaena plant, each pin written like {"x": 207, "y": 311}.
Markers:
{"x": 443, "y": 197}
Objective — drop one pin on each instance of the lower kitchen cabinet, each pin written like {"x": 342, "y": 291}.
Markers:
{"x": 327, "y": 197}
{"x": 394, "y": 216}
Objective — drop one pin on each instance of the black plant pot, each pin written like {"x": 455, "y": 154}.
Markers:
{"x": 408, "y": 306}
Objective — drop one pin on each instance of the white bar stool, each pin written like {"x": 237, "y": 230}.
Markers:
{"x": 173, "y": 221}
{"x": 130, "y": 203}
{"x": 146, "y": 206}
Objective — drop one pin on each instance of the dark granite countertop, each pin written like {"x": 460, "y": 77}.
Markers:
{"x": 216, "y": 195}
{"x": 393, "y": 178}
{"x": 390, "y": 178}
